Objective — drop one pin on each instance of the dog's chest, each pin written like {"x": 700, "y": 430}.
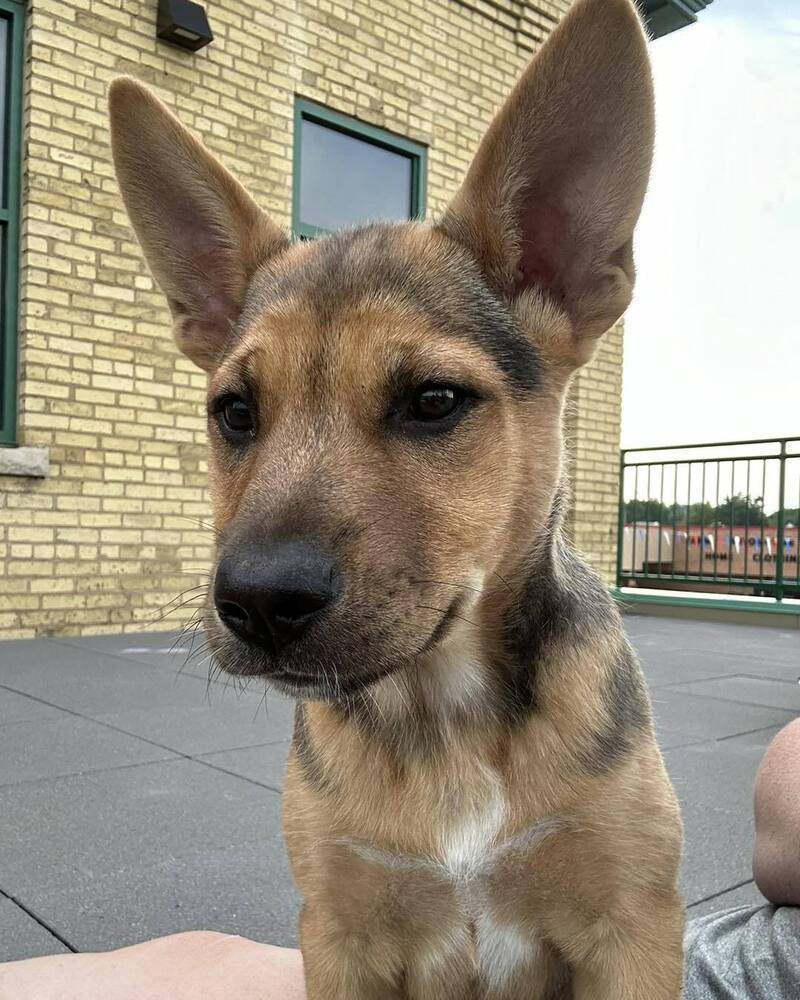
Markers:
{"x": 472, "y": 850}
{"x": 502, "y": 951}
{"x": 477, "y": 934}
{"x": 469, "y": 837}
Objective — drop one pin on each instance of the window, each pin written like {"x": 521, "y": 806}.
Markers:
{"x": 11, "y": 59}
{"x": 346, "y": 172}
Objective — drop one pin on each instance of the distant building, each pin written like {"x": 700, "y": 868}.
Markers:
{"x": 715, "y": 555}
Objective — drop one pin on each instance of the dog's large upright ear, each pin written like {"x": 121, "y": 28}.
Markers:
{"x": 556, "y": 187}
{"x": 201, "y": 232}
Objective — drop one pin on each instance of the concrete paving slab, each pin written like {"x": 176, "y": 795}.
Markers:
{"x": 16, "y": 707}
{"x": 679, "y": 666}
{"x": 711, "y": 718}
{"x": 172, "y": 652}
{"x": 668, "y": 655}
{"x": 263, "y": 764}
{"x": 668, "y": 740}
{"x": 725, "y": 637}
{"x": 772, "y": 669}
{"x": 25, "y": 650}
{"x": 22, "y": 937}
{"x": 748, "y": 691}
{"x": 715, "y": 638}
{"x": 760, "y": 738}
{"x": 92, "y": 683}
{"x": 166, "y": 651}
{"x": 67, "y": 831}
{"x": 156, "y": 648}
{"x": 104, "y": 843}
{"x": 48, "y": 748}
{"x": 744, "y": 895}
{"x": 221, "y": 724}
{"x": 239, "y": 889}
{"x": 714, "y": 783}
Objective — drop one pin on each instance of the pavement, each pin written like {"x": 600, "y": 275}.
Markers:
{"x": 137, "y": 799}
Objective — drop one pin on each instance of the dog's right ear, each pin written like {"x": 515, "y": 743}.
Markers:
{"x": 201, "y": 232}
{"x": 551, "y": 200}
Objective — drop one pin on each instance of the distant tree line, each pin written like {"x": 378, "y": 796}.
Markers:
{"x": 738, "y": 509}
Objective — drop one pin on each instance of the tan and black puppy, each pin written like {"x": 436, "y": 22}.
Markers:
{"x": 476, "y": 808}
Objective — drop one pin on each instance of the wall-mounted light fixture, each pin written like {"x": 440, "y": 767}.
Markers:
{"x": 664, "y": 16}
{"x": 183, "y": 23}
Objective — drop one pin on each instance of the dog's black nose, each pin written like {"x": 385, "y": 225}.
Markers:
{"x": 269, "y": 595}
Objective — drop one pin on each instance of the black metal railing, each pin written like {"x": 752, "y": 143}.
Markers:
{"x": 720, "y": 517}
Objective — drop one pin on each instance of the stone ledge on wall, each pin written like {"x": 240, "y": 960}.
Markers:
{"x": 33, "y": 462}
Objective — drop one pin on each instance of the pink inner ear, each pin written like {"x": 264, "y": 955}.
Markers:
{"x": 561, "y": 223}
{"x": 208, "y": 264}
{"x": 544, "y": 238}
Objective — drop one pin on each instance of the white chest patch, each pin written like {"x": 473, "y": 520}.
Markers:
{"x": 469, "y": 840}
{"x": 502, "y": 951}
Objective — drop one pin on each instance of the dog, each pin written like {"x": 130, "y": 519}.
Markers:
{"x": 475, "y": 806}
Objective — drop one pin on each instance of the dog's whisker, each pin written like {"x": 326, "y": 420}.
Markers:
{"x": 399, "y": 692}
{"x": 203, "y": 524}
{"x": 457, "y": 586}
{"x": 503, "y": 581}
{"x": 444, "y": 611}
{"x": 174, "y": 608}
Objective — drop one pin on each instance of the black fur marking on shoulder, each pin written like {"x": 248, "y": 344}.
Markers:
{"x": 307, "y": 757}
{"x": 625, "y": 700}
{"x": 358, "y": 263}
{"x": 565, "y": 603}
{"x": 561, "y": 599}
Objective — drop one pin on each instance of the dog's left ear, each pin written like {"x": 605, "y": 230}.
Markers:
{"x": 201, "y": 232}
{"x": 553, "y": 195}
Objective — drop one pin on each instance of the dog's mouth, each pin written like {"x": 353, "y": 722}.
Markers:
{"x": 309, "y": 673}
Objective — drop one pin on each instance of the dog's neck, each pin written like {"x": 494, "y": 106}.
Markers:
{"x": 486, "y": 676}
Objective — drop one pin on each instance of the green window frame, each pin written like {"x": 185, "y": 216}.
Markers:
{"x": 13, "y": 13}
{"x": 305, "y": 110}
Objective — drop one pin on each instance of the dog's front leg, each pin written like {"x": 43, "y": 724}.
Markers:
{"x": 641, "y": 961}
{"x": 347, "y": 966}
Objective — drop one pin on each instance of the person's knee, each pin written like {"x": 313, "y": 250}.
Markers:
{"x": 187, "y": 941}
{"x": 776, "y": 857}
{"x": 776, "y": 869}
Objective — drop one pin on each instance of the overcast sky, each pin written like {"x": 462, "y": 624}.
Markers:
{"x": 712, "y": 346}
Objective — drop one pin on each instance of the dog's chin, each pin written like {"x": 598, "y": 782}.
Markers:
{"x": 306, "y": 672}
{"x": 324, "y": 685}
{"x": 295, "y": 674}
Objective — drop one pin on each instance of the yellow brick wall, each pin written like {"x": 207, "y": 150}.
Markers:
{"x": 114, "y": 533}
{"x": 592, "y": 438}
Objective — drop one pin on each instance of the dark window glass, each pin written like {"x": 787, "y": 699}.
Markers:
{"x": 345, "y": 180}
{"x": 11, "y": 63}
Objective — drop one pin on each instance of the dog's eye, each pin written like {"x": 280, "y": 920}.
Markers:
{"x": 235, "y": 417}
{"x": 435, "y": 402}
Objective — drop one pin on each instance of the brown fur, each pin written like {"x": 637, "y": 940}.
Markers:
{"x": 476, "y": 808}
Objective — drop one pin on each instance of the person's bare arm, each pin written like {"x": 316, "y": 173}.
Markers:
{"x": 776, "y": 858}
{"x": 180, "y": 967}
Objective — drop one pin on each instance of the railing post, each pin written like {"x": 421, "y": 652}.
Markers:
{"x": 621, "y": 517}
{"x": 781, "y": 523}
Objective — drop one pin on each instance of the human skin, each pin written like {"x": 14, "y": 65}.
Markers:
{"x": 776, "y": 857}
{"x": 221, "y": 967}
{"x": 181, "y": 967}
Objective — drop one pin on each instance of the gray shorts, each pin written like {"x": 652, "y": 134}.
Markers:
{"x": 751, "y": 953}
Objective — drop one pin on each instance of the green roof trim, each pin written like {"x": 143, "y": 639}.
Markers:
{"x": 664, "y": 16}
